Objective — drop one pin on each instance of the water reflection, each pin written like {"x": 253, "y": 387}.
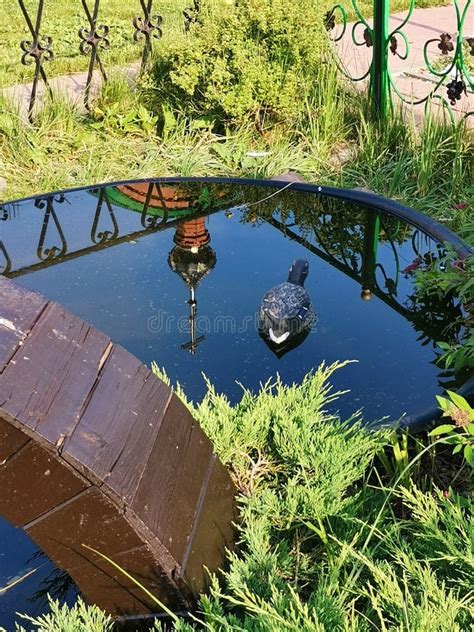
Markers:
{"x": 363, "y": 245}
{"x": 63, "y": 566}
{"x": 192, "y": 259}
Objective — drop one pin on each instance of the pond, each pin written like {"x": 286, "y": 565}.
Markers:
{"x": 176, "y": 271}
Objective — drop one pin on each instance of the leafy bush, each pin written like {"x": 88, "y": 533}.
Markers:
{"x": 79, "y": 618}
{"x": 459, "y": 433}
{"x": 252, "y": 58}
{"x": 454, "y": 277}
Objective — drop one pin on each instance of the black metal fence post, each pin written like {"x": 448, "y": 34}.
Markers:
{"x": 92, "y": 40}
{"x": 36, "y": 51}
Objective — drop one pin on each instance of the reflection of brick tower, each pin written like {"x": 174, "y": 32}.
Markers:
{"x": 162, "y": 196}
{"x": 192, "y": 235}
{"x": 192, "y": 258}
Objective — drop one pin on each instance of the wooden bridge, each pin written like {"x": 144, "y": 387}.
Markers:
{"x": 96, "y": 450}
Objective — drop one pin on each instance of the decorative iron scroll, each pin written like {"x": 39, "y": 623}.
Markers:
{"x": 6, "y": 266}
{"x": 151, "y": 221}
{"x": 102, "y": 236}
{"x": 93, "y": 38}
{"x": 53, "y": 252}
{"x": 35, "y": 51}
{"x": 148, "y": 27}
{"x": 454, "y": 48}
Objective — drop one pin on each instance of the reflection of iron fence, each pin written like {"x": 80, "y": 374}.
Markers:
{"x": 93, "y": 38}
{"x": 361, "y": 263}
{"x": 454, "y": 50}
{"x": 99, "y": 239}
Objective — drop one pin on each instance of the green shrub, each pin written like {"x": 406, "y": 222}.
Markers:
{"x": 252, "y": 58}
{"x": 326, "y": 542}
{"x": 61, "y": 618}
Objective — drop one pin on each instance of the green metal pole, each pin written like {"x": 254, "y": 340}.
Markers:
{"x": 379, "y": 75}
{"x": 369, "y": 253}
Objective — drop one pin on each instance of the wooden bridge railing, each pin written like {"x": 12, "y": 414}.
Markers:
{"x": 95, "y": 450}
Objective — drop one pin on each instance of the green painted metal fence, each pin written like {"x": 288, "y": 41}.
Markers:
{"x": 448, "y": 58}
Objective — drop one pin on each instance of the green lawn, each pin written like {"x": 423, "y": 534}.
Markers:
{"x": 62, "y": 20}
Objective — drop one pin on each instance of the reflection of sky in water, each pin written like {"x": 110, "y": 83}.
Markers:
{"x": 130, "y": 292}
{"x": 19, "y": 556}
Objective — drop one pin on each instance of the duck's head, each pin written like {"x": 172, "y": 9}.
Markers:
{"x": 298, "y": 272}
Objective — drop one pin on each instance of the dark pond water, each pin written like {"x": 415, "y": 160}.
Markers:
{"x": 136, "y": 262}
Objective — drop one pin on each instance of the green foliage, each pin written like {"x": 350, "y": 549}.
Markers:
{"x": 252, "y": 58}
{"x": 428, "y": 167}
{"x": 454, "y": 277}
{"x": 459, "y": 434}
{"x": 326, "y": 544}
{"x": 79, "y": 618}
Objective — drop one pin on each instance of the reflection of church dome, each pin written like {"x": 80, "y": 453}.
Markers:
{"x": 192, "y": 257}
{"x": 192, "y": 267}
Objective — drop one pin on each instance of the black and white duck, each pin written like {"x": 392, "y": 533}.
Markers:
{"x": 286, "y": 312}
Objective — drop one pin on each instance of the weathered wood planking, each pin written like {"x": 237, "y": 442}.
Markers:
{"x": 47, "y": 384}
{"x": 95, "y": 450}
{"x": 213, "y": 530}
{"x": 19, "y": 311}
{"x": 11, "y": 440}
{"x": 93, "y": 520}
{"x": 177, "y": 468}
{"x": 116, "y": 432}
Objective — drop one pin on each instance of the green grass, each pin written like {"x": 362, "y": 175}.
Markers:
{"x": 62, "y": 19}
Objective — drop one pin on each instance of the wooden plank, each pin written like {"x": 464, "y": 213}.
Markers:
{"x": 213, "y": 532}
{"x": 33, "y": 482}
{"x": 115, "y": 434}
{"x": 19, "y": 310}
{"x": 168, "y": 495}
{"x": 100, "y": 583}
{"x": 11, "y": 440}
{"x": 46, "y": 386}
{"x": 90, "y": 518}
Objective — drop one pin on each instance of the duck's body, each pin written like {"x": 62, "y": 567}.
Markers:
{"x": 286, "y": 310}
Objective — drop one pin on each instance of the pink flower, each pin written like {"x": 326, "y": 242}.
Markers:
{"x": 462, "y": 205}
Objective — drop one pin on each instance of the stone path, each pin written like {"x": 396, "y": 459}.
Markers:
{"x": 72, "y": 86}
{"x": 411, "y": 76}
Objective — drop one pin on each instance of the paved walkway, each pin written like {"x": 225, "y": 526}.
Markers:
{"x": 73, "y": 86}
{"x": 411, "y": 76}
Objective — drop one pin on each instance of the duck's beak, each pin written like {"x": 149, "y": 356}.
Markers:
{"x": 278, "y": 340}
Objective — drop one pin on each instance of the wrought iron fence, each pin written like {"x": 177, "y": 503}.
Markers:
{"x": 451, "y": 74}
{"x": 92, "y": 40}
